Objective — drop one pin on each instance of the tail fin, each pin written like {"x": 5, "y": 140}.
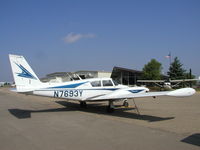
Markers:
{"x": 24, "y": 77}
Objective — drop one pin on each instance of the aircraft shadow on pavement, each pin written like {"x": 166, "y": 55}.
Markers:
{"x": 193, "y": 139}
{"x": 91, "y": 108}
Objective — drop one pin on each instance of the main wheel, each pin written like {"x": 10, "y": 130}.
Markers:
{"x": 125, "y": 104}
{"x": 83, "y": 104}
{"x": 110, "y": 109}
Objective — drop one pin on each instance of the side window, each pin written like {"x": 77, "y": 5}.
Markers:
{"x": 96, "y": 83}
{"x": 107, "y": 83}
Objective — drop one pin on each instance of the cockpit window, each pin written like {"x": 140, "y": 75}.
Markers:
{"x": 107, "y": 83}
{"x": 96, "y": 83}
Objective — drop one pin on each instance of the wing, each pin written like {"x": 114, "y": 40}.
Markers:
{"x": 151, "y": 81}
{"x": 126, "y": 93}
{"x": 183, "y": 80}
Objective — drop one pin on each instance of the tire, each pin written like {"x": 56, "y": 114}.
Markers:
{"x": 110, "y": 110}
{"x": 125, "y": 104}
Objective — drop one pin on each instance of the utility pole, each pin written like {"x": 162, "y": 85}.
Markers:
{"x": 190, "y": 76}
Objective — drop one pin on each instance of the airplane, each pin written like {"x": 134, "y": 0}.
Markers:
{"x": 83, "y": 90}
{"x": 2, "y": 84}
{"x": 167, "y": 83}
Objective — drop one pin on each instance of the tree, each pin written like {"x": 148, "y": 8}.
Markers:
{"x": 176, "y": 70}
{"x": 189, "y": 75}
{"x": 152, "y": 70}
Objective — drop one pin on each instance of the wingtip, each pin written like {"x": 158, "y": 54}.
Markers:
{"x": 182, "y": 92}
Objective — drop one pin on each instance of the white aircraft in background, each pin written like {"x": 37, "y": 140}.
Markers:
{"x": 86, "y": 90}
{"x": 2, "y": 84}
{"x": 167, "y": 83}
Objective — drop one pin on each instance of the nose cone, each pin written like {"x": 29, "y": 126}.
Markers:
{"x": 147, "y": 90}
{"x": 192, "y": 91}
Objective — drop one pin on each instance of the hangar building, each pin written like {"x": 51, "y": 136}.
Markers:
{"x": 59, "y": 77}
{"x": 126, "y": 76}
{"x": 93, "y": 74}
{"x": 121, "y": 75}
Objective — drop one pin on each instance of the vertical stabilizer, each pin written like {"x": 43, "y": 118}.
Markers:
{"x": 24, "y": 77}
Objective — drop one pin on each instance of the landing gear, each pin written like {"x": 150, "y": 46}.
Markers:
{"x": 110, "y": 107}
{"x": 126, "y": 104}
{"x": 83, "y": 104}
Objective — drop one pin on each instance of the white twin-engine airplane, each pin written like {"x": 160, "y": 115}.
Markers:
{"x": 86, "y": 90}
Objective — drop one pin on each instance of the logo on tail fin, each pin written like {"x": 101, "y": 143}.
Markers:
{"x": 25, "y": 73}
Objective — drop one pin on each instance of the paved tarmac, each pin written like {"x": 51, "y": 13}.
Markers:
{"x": 41, "y": 123}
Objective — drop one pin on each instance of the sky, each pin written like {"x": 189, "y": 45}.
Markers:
{"x": 72, "y": 35}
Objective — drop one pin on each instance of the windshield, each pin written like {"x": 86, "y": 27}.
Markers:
{"x": 107, "y": 83}
{"x": 115, "y": 83}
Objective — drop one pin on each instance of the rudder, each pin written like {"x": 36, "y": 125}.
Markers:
{"x": 24, "y": 77}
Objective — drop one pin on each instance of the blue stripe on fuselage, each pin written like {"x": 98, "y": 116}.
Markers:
{"x": 69, "y": 86}
{"x": 52, "y": 88}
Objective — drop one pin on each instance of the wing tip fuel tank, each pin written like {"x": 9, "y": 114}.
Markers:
{"x": 182, "y": 92}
